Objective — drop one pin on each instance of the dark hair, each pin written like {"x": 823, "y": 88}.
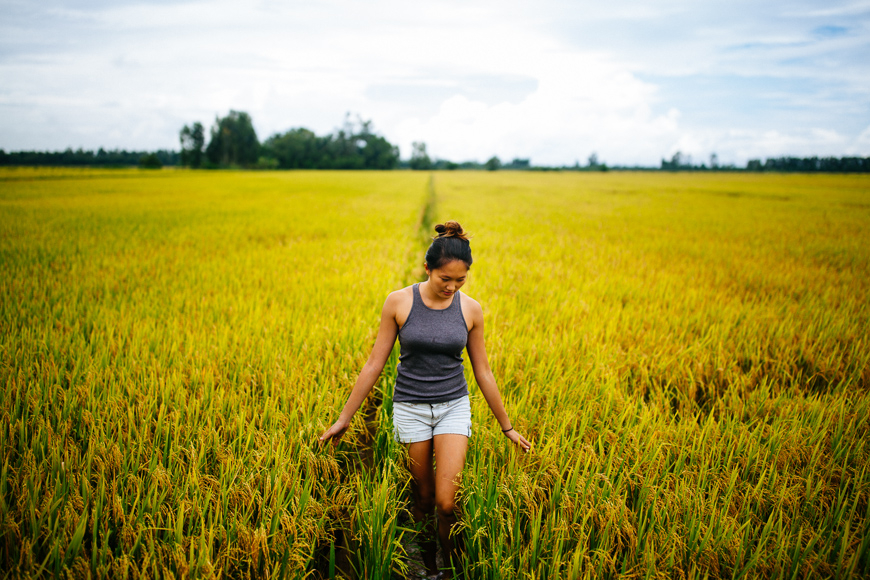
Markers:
{"x": 450, "y": 244}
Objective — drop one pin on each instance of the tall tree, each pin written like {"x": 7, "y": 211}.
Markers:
{"x": 419, "y": 157}
{"x": 192, "y": 143}
{"x": 593, "y": 160}
{"x": 376, "y": 151}
{"x": 233, "y": 141}
{"x": 295, "y": 149}
{"x": 493, "y": 163}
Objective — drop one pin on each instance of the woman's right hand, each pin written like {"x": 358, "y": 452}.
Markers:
{"x": 335, "y": 432}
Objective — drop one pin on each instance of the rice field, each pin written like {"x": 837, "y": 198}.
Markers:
{"x": 689, "y": 354}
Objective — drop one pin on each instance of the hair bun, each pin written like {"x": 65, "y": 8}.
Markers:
{"x": 451, "y": 229}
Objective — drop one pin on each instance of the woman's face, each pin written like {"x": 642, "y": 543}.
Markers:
{"x": 447, "y": 279}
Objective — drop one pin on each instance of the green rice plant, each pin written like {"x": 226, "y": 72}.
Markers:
{"x": 173, "y": 345}
{"x": 688, "y": 353}
{"x": 694, "y": 347}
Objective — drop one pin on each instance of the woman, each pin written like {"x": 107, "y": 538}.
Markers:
{"x": 431, "y": 412}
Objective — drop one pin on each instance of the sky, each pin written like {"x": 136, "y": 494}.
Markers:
{"x": 552, "y": 81}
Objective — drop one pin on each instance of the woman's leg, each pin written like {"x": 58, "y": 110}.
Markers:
{"x": 450, "y": 451}
{"x": 423, "y": 491}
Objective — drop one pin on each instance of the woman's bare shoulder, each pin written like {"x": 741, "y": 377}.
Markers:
{"x": 401, "y": 295}
{"x": 470, "y": 305}
{"x": 399, "y": 299}
{"x": 399, "y": 303}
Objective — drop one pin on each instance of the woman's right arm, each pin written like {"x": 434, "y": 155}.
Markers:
{"x": 370, "y": 372}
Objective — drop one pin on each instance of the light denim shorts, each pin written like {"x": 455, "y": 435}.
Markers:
{"x": 413, "y": 422}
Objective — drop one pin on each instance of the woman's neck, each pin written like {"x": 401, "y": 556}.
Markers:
{"x": 434, "y": 299}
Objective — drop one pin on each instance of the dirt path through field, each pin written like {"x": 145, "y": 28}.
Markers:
{"x": 365, "y": 445}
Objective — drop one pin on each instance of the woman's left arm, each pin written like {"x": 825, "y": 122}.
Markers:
{"x": 483, "y": 375}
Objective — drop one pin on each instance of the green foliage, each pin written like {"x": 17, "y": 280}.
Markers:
{"x": 84, "y": 158}
{"x": 678, "y": 161}
{"x": 594, "y": 164}
{"x": 150, "y": 161}
{"x": 192, "y": 143}
{"x": 266, "y": 163}
{"x": 493, "y": 163}
{"x": 354, "y": 146}
{"x": 419, "y": 158}
{"x": 294, "y": 149}
{"x": 815, "y": 164}
{"x": 517, "y": 163}
{"x": 377, "y": 152}
{"x": 233, "y": 141}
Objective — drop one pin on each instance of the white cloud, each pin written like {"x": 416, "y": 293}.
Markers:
{"x": 863, "y": 140}
{"x": 552, "y": 81}
{"x": 748, "y": 143}
{"x": 583, "y": 103}
{"x": 848, "y": 9}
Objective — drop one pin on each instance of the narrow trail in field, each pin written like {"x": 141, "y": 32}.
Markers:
{"x": 422, "y": 237}
{"x": 413, "y": 271}
{"x": 416, "y": 273}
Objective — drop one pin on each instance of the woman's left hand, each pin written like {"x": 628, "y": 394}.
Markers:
{"x": 521, "y": 441}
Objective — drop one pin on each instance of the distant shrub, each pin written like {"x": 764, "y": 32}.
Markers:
{"x": 266, "y": 163}
{"x": 150, "y": 161}
{"x": 493, "y": 164}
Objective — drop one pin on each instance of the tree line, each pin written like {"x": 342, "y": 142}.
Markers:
{"x": 82, "y": 158}
{"x": 811, "y": 164}
{"x": 815, "y": 164}
{"x": 233, "y": 143}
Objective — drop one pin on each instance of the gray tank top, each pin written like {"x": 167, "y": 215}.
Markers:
{"x": 430, "y": 358}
